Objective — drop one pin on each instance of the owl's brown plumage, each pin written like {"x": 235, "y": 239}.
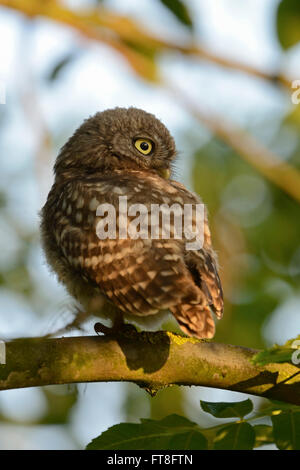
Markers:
{"x": 138, "y": 277}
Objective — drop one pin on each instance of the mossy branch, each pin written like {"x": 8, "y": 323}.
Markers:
{"x": 151, "y": 360}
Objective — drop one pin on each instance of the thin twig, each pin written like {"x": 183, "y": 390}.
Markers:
{"x": 115, "y": 31}
{"x": 255, "y": 153}
{"x": 96, "y": 24}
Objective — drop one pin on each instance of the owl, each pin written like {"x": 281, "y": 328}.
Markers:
{"x": 125, "y": 155}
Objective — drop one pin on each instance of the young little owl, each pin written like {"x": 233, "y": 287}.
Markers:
{"x": 127, "y": 154}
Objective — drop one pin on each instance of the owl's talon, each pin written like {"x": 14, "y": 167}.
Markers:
{"x": 100, "y": 328}
{"x": 118, "y": 326}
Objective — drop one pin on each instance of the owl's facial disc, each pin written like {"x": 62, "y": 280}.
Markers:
{"x": 141, "y": 148}
{"x": 119, "y": 138}
{"x": 146, "y": 149}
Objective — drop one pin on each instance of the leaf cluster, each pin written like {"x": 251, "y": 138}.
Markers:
{"x": 236, "y": 432}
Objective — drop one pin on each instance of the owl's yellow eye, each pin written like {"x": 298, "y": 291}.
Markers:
{"x": 144, "y": 146}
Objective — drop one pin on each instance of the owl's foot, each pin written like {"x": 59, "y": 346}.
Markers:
{"x": 106, "y": 330}
{"x": 123, "y": 329}
{"x": 118, "y": 325}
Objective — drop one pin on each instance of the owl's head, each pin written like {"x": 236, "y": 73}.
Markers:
{"x": 116, "y": 139}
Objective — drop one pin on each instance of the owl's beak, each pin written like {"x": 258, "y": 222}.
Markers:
{"x": 164, "y": 173}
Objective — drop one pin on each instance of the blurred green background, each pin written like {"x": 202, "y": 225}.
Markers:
{"x": 219, "y": 75}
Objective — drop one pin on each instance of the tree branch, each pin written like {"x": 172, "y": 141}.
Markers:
{"x": 121, "y": 33}
{"x": 94, "y": 23}
{"x": 151, "y": 360}
{"x": 266, "y": 162}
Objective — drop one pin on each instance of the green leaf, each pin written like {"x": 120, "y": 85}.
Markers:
{"x": 286, "y": 430}
{"x": 172, "y": 432}
{"x": 236, "y": 409}
{"x": 180, "y": 10}
{"x": 288, "y": 23}
{"x": 277, "y": 353}
{"x": 275, "y": 406}
{"x": 237, "y": 436}
{"x": 263, "y": 435}
{"x": 274, "y": 354}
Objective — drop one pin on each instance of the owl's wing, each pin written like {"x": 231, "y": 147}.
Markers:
{"x": 203, "y": 268}
{"x": 195, "y": 318}
{"x": 140, "y": 277}
{"x": 143, "y": 277}
{"x": 202, "y": 265}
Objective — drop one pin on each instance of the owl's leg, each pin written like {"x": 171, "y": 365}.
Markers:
{"x": 117, "y": 325}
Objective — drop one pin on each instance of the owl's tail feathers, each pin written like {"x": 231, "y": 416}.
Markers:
{"x": 195, "y": 320}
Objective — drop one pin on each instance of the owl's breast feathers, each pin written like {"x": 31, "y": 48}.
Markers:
{"x": 139, "y": 276}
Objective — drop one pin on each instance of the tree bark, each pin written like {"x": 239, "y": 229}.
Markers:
{"x": 151, "y": 360}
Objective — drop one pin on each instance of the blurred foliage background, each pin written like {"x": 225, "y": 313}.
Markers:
{"x": 219, "y": 75}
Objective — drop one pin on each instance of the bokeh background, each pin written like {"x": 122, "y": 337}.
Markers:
{"x": 218, "y": 74}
